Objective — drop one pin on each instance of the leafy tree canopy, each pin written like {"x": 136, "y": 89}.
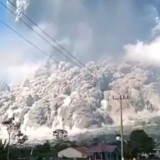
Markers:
{"x": 140, "y": 142}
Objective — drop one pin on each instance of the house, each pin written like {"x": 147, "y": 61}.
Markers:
{"x": 157, "y": 151}
{"x": 104, "y": 152}
{"x": 99, "y": 152}
{"x": 73, "y": 152}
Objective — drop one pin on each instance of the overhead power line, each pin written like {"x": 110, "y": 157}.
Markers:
{"x": 71, "y": 58}
{"x": 38, "y": 48}
{"x": 28, "y": 41}
{"x": 38, "y": 34}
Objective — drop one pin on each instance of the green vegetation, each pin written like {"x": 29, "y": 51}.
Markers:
{"x": 138, "y": 142}
{"x": 44, "y": 150}
{"x": 3, "y": 153}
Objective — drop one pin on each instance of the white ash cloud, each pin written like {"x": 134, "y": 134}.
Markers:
{"x": 69, "y": 97}
{"x": 93, "y": 28}
{"x": 144, "y": 52}
{"x": 18, "y": 58}
{"x": 21, "y": 7}
{"x": 73, "y": 98}
{"x": 89, "y": 33}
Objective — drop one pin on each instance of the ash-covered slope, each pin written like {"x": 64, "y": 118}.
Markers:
{"x": 63, "y": 96}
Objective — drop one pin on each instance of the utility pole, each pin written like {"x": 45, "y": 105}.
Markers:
{"x": 120, "y": 99}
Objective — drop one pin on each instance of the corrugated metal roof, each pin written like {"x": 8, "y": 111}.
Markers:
{"x": 95, "y": 149}
{"x": 83, "y": 150}
{"x": 102, "y": 148}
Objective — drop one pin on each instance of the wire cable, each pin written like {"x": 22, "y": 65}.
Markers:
{"x": 45, "y": 33}
{"x": 28, "y": 41}
{"x": 81, "y": 64}
{"x": 47, "y": 41}
{"x": 36, "y": 47}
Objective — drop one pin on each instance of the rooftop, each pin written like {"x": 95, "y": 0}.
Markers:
{"x": 103, "y": 148}
{"x": 83, "y": 150}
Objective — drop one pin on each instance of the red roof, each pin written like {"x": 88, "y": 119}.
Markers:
{"x": 103, "y": 148}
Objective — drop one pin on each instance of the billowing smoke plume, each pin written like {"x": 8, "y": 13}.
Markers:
{"x": 75, "y": 99}
{"x": 90, "y": 30}
{"x": 93, "y": 29}
{"x": 21, "y": 6}
{"x": 144, "y": 52}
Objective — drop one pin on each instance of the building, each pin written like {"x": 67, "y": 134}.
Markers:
{"x": 99, "y": 152}
{"x": 73, "y": 152}
{"x": 104, "y": 152}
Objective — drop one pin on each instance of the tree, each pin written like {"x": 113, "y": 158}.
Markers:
{"x": 14, "y": 133}
{"x": 139, "y": 142}
{"x": 20, "y": 140}
{"x": 60, "y": 133}
{"x": 20, "y": 137}
{"x": 10, "y": 128}
{"x": 3, "y": 152}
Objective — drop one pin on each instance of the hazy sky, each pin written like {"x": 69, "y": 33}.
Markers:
{"x": 90, "y": 29}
